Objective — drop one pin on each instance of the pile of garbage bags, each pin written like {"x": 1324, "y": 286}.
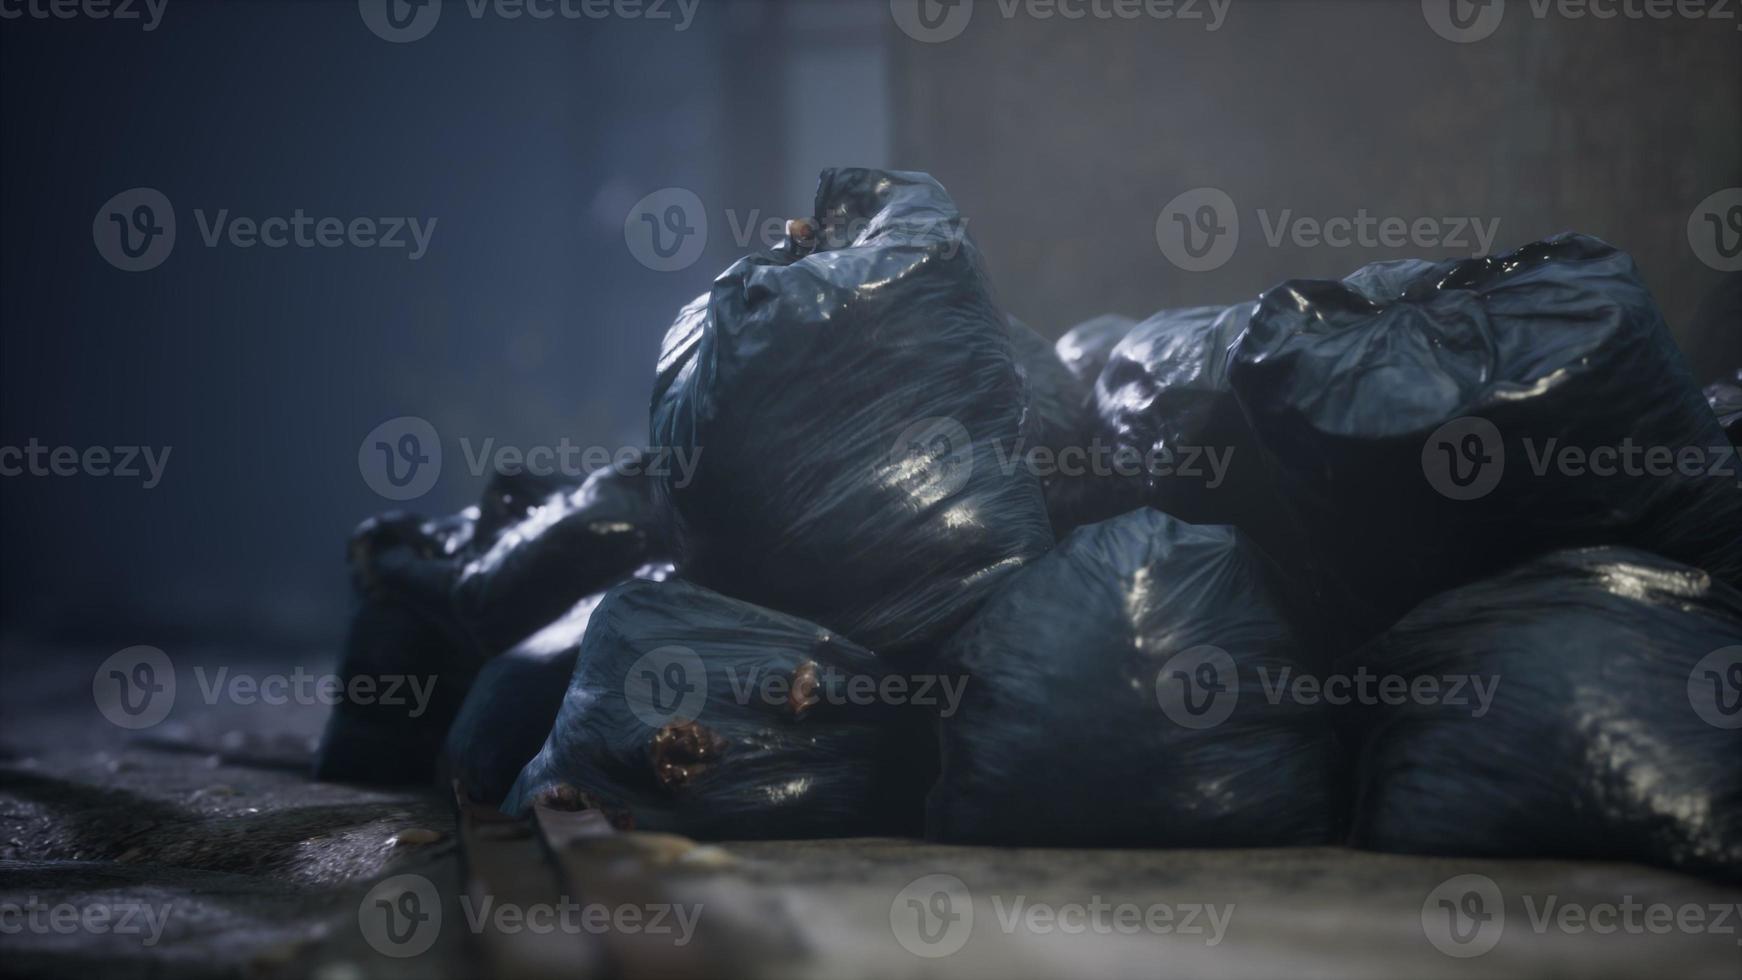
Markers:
{"x": 1437, "y": 558}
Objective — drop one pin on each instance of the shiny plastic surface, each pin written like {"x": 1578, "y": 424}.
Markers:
{"x": 1084, "y": 348}
{"x": 435, "y": 599}
{"x": 850, "y": 396}
{"x": 570, "y": 544}
{"x": 1061, "y": 421}
{"x": 511, "y": 706}
{"x": 1603, "y": 735}
{"x": 1075, "y": 730}
{"x": 1435, "y": 424}
{"x": 1164, "y": 397}
{"x": 769, "y": 743}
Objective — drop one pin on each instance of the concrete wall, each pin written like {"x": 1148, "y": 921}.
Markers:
{"x": 1064, "y": 140}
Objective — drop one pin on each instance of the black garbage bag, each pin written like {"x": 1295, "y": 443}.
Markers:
{"x": 511, "y": 705}
{"x": 1164, "y": 397}
{"x": 1084, "y": 348}
{"x": 1433, "y": 425}
{"x": 1725, "y": 397}
{"x": 403, "y": 636}
{"x": 694, "y": 713}
{"x": 852, "y": 395}
{"x": 513, "y": 702}
{"x": 1612, "y": 728}
{"x": 1115, "y": 695}
{"x": 434, "y": 599}
{"x": 1061, "y": 444}
{"x": 1055, "y": 398}
{"x": 572, "y": 543}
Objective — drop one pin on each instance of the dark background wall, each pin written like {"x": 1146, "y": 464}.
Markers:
{"x": 530, "y": 142}
{"x": 1063, "y": 141}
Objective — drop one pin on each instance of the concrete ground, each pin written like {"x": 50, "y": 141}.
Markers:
{"x": 199, "y": 848}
